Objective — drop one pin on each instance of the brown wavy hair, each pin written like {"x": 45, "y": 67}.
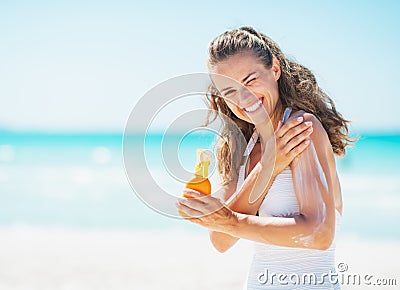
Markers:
{"x": 297, "y": 87}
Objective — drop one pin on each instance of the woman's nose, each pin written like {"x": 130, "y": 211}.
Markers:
{"x": 246, "y": 98}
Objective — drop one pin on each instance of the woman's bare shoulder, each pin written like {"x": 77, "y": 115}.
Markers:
{"x": 319, "y": 136}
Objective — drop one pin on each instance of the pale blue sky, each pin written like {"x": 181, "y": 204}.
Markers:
{"x": 82, "y": 65}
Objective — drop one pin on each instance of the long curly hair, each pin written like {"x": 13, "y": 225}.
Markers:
{"x": 297, "y": 88}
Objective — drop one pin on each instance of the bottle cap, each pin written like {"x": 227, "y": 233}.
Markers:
{"x": 204, "y": 155}
{"x": 203, "y": 161}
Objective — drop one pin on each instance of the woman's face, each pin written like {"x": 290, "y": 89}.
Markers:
{"x": 249, "y": 89}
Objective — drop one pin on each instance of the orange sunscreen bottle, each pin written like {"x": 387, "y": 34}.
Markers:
{"x": 200, "y": 180}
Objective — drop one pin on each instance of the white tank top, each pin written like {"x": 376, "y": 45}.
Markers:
{"x": 311, "y": 267}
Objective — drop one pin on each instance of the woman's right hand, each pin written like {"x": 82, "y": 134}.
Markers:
{"x": 292, "y": 138}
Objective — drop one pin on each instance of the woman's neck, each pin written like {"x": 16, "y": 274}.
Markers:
{"x": 275, "y": 118}
{"x": 277, "y": 115}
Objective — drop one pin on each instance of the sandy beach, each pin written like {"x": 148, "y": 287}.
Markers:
{"x": 33, "y": 258}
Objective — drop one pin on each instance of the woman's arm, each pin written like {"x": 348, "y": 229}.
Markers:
{"x": 314, "y": 179}
{"x": 290, "y": 142}
{"x": 223, "y": 241}
{"x": 306, "y": 230}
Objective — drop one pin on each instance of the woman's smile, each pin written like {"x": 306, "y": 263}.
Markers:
{"x": 254, "y": 107}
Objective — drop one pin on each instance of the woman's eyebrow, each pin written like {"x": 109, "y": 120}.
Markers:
{"x": 243, "y": 80}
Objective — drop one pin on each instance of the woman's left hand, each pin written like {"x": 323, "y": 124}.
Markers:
{"x": 205, "y": 210}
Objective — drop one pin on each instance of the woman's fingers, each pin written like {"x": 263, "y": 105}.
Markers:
{"x": 194, "y": 193}
{"x": 193, "y": 203}
{"x": 290, "y": 123}
{"x": 204, "y": 205}
{"x": 298, "y": 149}
{"x": 279, "y": 125}
{"x": 187, "y": 211}
{"x": 191, "y": 191}
{"x": 295, "y": 141}
{"x": 294, "y": 131}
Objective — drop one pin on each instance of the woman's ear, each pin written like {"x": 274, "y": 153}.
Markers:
{"x": 276, "y": 68}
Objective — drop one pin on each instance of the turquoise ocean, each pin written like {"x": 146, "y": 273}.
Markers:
{"x": 78, "y": 181}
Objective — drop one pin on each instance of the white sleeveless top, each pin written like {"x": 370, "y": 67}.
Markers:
{"x": 299, "y": 268}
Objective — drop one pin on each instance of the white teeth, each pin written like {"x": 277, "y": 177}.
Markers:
{"x": 253, "y": 107}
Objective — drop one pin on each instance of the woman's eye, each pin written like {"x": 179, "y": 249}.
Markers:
{"x": 230, "y": 92}
{"x": 250, "y": 81}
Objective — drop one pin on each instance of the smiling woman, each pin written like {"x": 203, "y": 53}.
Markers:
{"x": 290, "y": 205}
